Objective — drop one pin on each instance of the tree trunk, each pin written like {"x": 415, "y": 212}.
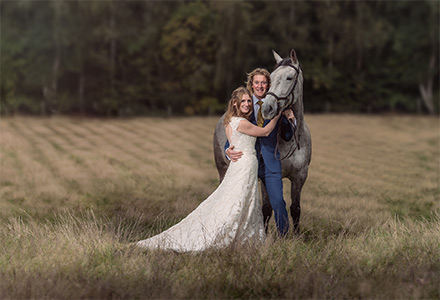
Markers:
{"x": 426, "y": 88}
{"x": 359, "y": 34}
{"x": 81, "y": 93}
{"x": 426, "y": 94}
{"x": 112, "y": 49}
{"x": 50, "y": 93}
{"x": 426, "y": 84}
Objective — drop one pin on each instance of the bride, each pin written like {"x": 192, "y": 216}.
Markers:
{"x": 232, "y": 213}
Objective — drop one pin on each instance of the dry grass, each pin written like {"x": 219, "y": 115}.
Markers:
{"x": 76, "y": 192}
{"x": 65, "y": 163}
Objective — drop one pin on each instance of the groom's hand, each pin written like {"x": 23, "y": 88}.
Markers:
{"x": 288, "y": 113}
{"x": 232, "y": 154}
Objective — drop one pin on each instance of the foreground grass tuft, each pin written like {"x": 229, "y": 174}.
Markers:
{"x": 89, "y": 257}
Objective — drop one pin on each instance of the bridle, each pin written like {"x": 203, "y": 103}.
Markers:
{"x": 279, "y": 98}
{"x": 292, "y": 125}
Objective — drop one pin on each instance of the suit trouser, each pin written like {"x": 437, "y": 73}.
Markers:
{"x": 274, "y": 186}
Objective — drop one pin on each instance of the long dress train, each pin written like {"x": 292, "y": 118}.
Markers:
{"x": 231, "y": 214}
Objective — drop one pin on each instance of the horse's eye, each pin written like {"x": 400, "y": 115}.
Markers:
{"x": 289, "y": 78}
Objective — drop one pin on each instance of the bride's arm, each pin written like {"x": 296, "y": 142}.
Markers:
{"x": 250, "y": 129}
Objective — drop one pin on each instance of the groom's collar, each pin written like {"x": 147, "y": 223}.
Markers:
{"x": 256, "y": 99}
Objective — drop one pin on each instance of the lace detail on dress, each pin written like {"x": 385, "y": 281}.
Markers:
{"x": 231, "y": 214}
{"x": 241, "y": 141}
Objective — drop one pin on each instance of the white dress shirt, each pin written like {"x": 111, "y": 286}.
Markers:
{"x": 256, "y": 106}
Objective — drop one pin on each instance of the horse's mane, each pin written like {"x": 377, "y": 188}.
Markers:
{"x": 284, "y": 62}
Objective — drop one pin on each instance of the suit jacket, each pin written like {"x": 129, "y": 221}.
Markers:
{"x": 265, "y": 146}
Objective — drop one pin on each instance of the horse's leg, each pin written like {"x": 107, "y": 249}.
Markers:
{"x": 295, "y": 207}
{"x": 267, "y": 208}
{"x": 295, "y": 191}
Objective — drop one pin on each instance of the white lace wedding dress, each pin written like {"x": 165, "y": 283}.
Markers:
{"x": 231, "y": 214}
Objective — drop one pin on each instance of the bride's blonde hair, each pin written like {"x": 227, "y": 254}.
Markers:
{"x": 234, "y": 105}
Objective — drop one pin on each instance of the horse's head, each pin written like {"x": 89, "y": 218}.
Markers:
{"x": 286, "y": 83}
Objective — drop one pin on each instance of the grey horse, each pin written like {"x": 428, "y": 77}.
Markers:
{"x": 286, "y": 91}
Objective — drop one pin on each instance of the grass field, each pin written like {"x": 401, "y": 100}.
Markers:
{"x": 75, "y": 193}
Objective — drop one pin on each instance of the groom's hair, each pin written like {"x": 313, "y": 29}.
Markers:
{"x": 257, "y": 71}
{"x": 234, "y": 105}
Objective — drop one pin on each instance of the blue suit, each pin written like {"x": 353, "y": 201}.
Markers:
{"x": 269, "y": 169}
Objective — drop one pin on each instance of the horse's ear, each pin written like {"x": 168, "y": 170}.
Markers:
{"x": 277, "y": 57}
{"x": 293, "y": 56}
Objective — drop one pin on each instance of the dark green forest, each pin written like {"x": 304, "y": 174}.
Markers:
{"x": 126, "y": 58}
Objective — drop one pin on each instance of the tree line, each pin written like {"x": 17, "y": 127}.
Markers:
{"x": 124, "y": 58}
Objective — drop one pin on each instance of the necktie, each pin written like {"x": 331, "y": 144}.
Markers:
{"x": 260, "y": 120}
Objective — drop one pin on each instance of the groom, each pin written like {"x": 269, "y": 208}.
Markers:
{"x": 269, "y": 168}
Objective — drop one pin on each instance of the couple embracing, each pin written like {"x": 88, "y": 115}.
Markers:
{"x": 232, "y": 214}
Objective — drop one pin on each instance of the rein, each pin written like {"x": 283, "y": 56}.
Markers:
{"x": 292, "y": 124}
{"x": 295, "y": 136}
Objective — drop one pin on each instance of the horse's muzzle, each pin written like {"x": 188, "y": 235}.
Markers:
{"x": 269, "y": 109}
